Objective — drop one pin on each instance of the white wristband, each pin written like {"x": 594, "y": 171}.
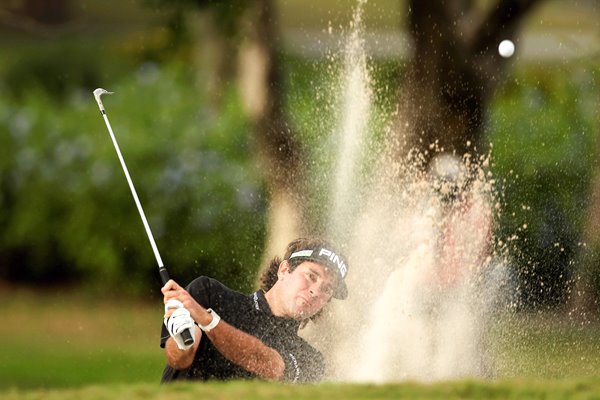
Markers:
{"x": 213, "y": 323}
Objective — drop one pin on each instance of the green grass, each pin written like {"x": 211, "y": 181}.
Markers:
{"x": 546, "y": 346}
{"x": 66, "y": 345}
{"x": 58, "y": 339}
{"x": 516, "y": 389}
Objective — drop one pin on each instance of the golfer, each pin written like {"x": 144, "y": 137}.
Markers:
{"x": 243, "y": 337}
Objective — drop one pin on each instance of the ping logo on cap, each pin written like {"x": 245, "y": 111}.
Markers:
{"x": 336, "y": 260}
{"x": 326, "y": 254}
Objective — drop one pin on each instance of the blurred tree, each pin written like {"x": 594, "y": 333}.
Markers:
{"x": 38, "y": 17}
{"x": 452, "y": 75}
{"x": 454, "y": 70}
{"x": 47, "y": 11}
{"x": 277, "y": 149}
{"x": 246, "y": 31}
{"x": 450, "y": 80}
{"x": 585, "y": 291}
{"x": 211, "y": 29}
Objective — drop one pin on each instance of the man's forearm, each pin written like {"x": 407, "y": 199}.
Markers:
{"x": 180, "y": 359}
{"x": 247, "y": 351}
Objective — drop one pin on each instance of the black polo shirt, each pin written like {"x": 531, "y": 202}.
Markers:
{"x": 251, "y": 314}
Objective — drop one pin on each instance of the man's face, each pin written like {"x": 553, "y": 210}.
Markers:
{"x": 306, "y": 290}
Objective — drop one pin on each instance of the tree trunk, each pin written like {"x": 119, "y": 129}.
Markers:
{"x": 453, "y": 72}
{"x": 213, "y": 52}
{"x": 277, "y": 150}
{"x": 51, "y": 12}
{"x": 585, "y": 290}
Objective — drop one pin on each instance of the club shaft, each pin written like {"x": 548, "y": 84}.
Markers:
{"x": 186, "y": 335}
{"x": 163, "y": 271}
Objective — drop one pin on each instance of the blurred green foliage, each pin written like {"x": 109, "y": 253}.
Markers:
{"x": 227, "y": 12}
{"x": 67, "y": 213}
{"x": 59, "y": 67}
{"x": 544, "y": 127}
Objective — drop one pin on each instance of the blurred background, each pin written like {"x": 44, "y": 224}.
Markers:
{"x": 217, "y": 106}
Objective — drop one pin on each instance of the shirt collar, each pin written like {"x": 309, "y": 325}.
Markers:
{"x": 259, "y": 302}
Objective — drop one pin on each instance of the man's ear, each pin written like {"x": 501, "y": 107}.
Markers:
{"x": 284, "y": 268}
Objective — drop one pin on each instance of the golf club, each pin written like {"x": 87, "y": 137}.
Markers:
{"x": 186, "y": 335}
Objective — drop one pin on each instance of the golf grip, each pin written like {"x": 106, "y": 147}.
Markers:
{"x": 186, "y": 335}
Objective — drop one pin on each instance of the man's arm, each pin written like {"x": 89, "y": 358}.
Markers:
{"x": 237, "y": 346}
{"x": 181, "y": 359}
{"x": 247, "y": 351}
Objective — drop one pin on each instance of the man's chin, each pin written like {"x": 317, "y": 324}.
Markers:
{"x": 301, "y": 315}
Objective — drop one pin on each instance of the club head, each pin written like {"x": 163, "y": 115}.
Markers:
{"x": 99, "y": 92}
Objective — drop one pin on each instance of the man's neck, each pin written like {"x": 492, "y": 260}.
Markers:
{"x": 274, "y": 305}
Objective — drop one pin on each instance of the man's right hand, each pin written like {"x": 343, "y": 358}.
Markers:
{"x": 177, "y": 321}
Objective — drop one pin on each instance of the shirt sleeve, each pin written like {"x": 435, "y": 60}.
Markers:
{"x": 200, "y": 290}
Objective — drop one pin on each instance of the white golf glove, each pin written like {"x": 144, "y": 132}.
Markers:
{"x": 179, "y": 321}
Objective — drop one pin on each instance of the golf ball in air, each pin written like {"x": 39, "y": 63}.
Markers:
{"x": 506, "y": 48}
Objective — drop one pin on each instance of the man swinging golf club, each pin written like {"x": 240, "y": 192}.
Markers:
{"x": 245, "y": 336}
{"x": 238, "y": 336}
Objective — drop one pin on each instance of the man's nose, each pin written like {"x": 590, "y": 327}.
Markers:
{"x": 315, "y": 289}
